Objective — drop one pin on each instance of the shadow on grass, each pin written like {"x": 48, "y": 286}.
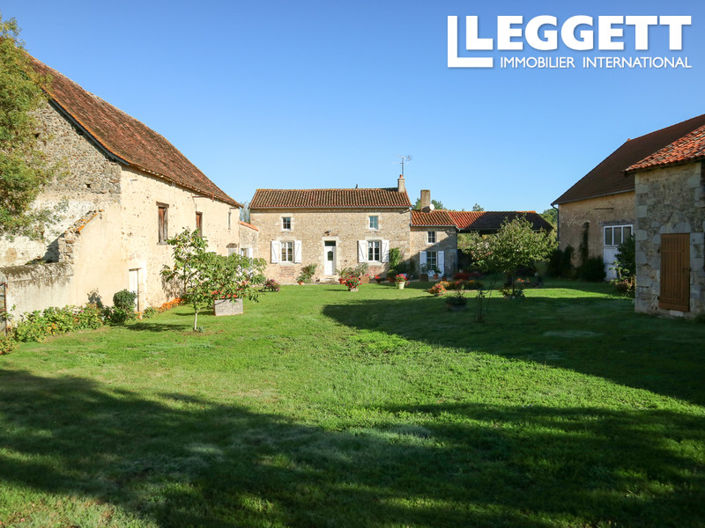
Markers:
{"x": 181, "y": 461}
{"x": 592, "y": 335}
{"x": 153, "y": 326}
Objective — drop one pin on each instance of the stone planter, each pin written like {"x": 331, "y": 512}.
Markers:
{"x": 228, "y": 307}
{"x": 352, "y": 289}
{"x": 400, "y": 285}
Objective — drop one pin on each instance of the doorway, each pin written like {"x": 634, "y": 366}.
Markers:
{"x": 135, "y": 286}
{"x": 675, "y": 272}
{"x": 329, "y": 257}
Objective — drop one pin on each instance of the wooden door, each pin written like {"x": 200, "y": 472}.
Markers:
{"x": 675, "y": 272}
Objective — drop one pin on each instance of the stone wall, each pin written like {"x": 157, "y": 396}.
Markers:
{"x": 669, "y": 200}
{"x": 446, "y": 241}
{"x": 314, "y": 227}
{"x": 249, "y": 238}
{"x": 617, "y": 209}
{"x": 89, "y": 181}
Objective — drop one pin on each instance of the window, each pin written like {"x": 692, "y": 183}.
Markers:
{"x": 287, "y": 252}
{"x": 199, "y": 223}
{"x": 431, "y": 237}
{"x": 230, "y": 214}
{"x": 374, "y": 250}
{"x": 163, "y": 233}
{"x": 432, "y": 260}
{"x": 374, "y": 222}
{"x": 615, "y": 235}
{"x": 286, "y": 223}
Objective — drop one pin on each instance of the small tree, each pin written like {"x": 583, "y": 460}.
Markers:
{"x": 477, "y": 207}
{"x": 204, "y": 276}
{"x": 516, "y": 244}
{"x": 626, "y": 258}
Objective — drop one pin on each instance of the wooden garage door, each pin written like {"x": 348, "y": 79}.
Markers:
{"x": 675, "y": 272}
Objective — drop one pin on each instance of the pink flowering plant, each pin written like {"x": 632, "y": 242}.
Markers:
{"x": 400, "y": 277}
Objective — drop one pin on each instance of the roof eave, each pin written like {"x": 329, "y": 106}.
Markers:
{"x": 591, "y": 197}
{"x": 694, "y": 159}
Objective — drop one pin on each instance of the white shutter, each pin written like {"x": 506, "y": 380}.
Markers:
{"x": 297, "y": 252}
{"x": 276, "y": 251}
{"x": 362, "y": 250}
{"x": 422, "y": 261}
{"x": 385, "y": 250}
{"x": 441, "y": 262}
{"x": 249, "y": 252}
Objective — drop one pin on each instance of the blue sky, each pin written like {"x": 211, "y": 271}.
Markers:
{"x": 329, "y": 94}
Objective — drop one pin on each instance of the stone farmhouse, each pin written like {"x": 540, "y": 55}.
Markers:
{"x": 602, "y": 203}
{"x": 127, "y": 189}
{"x": 670, "y": 227}
{"x": 332, "y": 228}
{"x": 339, "y": 228}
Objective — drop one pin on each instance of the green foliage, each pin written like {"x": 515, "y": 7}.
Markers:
{"x": 125, "y": 300}
{"x": 204, "y": 276}
{"x": 593, "y": 270}
{"x": 515, "y": 245}
{"x": 551, "y": 216}
{"x": 307, "y": 273}
{"x": 436, "y": 204}
{"x": 626, "y": 258}
{"x": 354, "y": 271}
{"x": 38, "y": 325}
{"x": 7, "y": 344}
{"x": 394, "y": 259}
{"x": 149, "y": 313}
{"x": 560, "y": 263}
{"x": 24, "y": 170}
{"x": 477, "y": 207}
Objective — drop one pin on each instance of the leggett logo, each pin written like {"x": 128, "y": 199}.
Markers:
{"x": 576, "y": 33}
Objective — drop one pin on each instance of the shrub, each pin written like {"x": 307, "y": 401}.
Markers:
{"x": 467, "y": 275}
{"x": 307, "y": 273}
{"x": 437, "y": 289}
{"x": 125, "y": 300}
{"x": 592, "y": 270}
{"x": 352, "y": 282}
{"x": 626, "y": 258}
{"x": 149, "y": 313}
{"x": 401, "y": 277}
{"x": 394, "y": 259}
{"x": 39, "y": 325}
{"x": 7, "y": 344}
{"x": 271, "y": 285}
{"x": 560, "y": 263}
{"x": 626, "y": 286}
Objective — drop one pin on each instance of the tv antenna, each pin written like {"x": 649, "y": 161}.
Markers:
{"x": 404, "y": 160}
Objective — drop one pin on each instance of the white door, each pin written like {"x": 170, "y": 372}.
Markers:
{"x": 613, "y": 237}
{"x": 135, "y": 286}
{"x": 609, "y": 255}
{"x": 329, "y": 259}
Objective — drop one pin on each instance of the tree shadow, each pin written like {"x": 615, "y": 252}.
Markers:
{"x": 592, "y": 335}
{"x": 177, "y": 460}
{"x": 148, "y": 326}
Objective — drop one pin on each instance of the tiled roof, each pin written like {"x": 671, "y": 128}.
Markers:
{"x": 493, "y": 220}
{"x": 431, "y": 219}
{"x": 330, "y": 199}
{"x": 126, "y": 138}
{"x": 245, "y": 224}
{"x": 690, "y": 147}
{"x": 609, "y": 176}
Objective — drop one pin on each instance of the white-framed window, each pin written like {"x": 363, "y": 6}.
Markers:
{"x": 615, "y": 235}
{"x": 432, "y": 260}
{"x": 431, "y": 237}
{"x": 287, "y": 251}
{"x": 286, "y": 223}
{"x": 374, "y": 250}
{"x": 374, "y": 222}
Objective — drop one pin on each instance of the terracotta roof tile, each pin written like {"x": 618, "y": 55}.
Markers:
{"x": 431, "y": 219}
{"x": 690, "y": 147}
{"x": 330, "y": 199}
{"x": 609, "y": 176}
{"x": 125, "y": 137}
{"x": 245, "y": 224}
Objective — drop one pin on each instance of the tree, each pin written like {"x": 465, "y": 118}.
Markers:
{"x": 625, "y": 259}
{"x": 24, "y": 170}
{"x": 551, "y": 216}
{"x": 204, "y": 276}
{"x": 477, "y": 207}
{"x": 436, "y": 204}
{"x": 515, "y": 245}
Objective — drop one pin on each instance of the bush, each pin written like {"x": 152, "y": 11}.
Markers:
{"x": 271, "y": 285}
{"x": 39, "y": 325}
{"x": 7, "y": 344}
{"x": 560, "y": 263}
{"x": 592, "y": 270}
{"x": 626, "y": 258}
{"x": 307, "y": 273}
{"x": 467, "y": 275}
{"x": 625, "y": 286}
{"x": 125, "y": 300}
{"x": 437, "y": 289}
{"x": 149, "y": 313}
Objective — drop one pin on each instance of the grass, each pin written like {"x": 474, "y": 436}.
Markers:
{"x": 321, "y": 407}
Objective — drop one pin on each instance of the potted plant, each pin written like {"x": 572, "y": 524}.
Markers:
{"x": 226, "y": 304}
{"x": 424, "y": 273}
{"x": 457, "y": 302}
{"x": 400, "y": 279}
{"x": 435, "y": 273}
{"x": 352, "y": 282}
{"x": 437, "y": 290}
{"x": 307, "y": 273}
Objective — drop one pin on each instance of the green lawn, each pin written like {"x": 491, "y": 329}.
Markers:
{"x": 321, "y": 407}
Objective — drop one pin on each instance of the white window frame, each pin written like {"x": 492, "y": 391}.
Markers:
{"x": 287, "y": 245}
{"x": 291, "y": 223}
{"x": 621, "y": 232}
{"x": 370, "y": 248}
{"x": 428, "y": 237}
{"x": 369, "y": 222}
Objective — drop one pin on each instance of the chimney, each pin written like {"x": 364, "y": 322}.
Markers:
{"x": 401, "y": 184}
{"x": 425, "y": 200}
